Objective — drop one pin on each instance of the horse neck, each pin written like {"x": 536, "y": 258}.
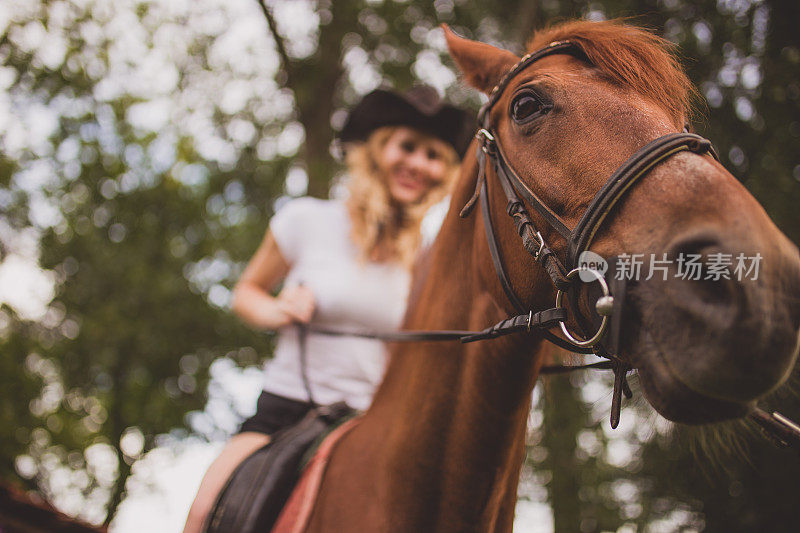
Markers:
{"x": 456, "y": 414}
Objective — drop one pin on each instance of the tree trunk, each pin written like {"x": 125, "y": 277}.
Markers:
{"x": 118, "y": 425}
{"x": 563, "y": 418}
{"x": 313, "y": 81}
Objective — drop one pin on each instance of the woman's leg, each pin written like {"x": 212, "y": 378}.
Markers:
{"x": 238, "y": 448}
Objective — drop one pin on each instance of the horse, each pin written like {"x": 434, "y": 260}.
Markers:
{"x": 441, "y": 447}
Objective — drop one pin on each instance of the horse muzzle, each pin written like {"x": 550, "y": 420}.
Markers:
{"x": 727, "y": 340}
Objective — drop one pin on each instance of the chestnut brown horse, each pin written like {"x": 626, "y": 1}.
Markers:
{"x": 442, "y": 445}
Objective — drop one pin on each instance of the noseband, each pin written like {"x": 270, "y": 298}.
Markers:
{"x": 564, "y": 275}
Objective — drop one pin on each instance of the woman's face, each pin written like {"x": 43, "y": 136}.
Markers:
{"x": 413, "y": 164}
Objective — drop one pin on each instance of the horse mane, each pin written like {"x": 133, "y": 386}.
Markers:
{"x": 632, "y": 57}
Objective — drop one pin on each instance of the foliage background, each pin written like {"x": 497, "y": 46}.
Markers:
{"x": 144, "y": 146}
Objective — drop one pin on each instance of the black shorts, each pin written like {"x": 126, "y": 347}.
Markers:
{"x": 274, "y": 413}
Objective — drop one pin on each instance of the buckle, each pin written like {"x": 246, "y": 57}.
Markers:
{"x": 541, "y": 246}
{"x": 487, "y": 140}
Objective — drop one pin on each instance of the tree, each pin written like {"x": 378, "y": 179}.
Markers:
{"x": 144, "y": 227}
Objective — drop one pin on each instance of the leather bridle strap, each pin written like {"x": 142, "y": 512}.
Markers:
{"x": 522, "y": 323}
{"x": 557, "y": 47}
{"x": 532, "y": 239}
{"x": 493, "y": 250}
{"x": 533, "y": 243}
{"x": 778, "y": 428}
{"x": 638, "y": 165}
{"x": 509, "y": 178}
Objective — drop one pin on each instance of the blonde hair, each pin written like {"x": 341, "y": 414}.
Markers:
{"x": 382, "y": 229}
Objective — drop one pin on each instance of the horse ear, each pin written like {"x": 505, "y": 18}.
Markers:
{"x": 482, "y": 64}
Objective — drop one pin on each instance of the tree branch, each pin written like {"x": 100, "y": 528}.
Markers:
{"x": 280, "y": 45}
{"x": 118, "y": 424}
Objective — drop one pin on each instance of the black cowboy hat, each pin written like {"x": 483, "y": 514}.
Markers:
{"x": 420, "y": 108}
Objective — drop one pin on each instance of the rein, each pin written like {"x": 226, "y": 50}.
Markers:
{"x": 782, "y": 431}
{"x": 564, "y": 276}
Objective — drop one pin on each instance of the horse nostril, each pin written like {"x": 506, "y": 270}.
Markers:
{"x": 702, "y": 280}
{"x": 693, "y": 244}
{"x": 721, "y": 331}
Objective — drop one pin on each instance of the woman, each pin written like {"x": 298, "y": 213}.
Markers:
{"x": 342, "y": 264}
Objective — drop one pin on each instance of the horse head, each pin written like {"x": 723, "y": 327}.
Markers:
{"x": 706, "y": 345}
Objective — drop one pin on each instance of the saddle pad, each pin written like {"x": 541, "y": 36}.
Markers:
{"x": 257, "y": 490}
{"x": 295, "y": 514}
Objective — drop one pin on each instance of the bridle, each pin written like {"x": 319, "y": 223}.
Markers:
{"x": 564, "y": 275}
{"x": 604, "y": 342}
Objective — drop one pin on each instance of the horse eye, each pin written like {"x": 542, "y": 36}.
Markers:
{"x": 525, "y": 107}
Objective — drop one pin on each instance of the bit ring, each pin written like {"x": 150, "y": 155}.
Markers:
{"x": 574, "y": 339}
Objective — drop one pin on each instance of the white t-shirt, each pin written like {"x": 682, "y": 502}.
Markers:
{"x": 313, "y": 237}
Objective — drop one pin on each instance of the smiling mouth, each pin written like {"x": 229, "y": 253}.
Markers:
{"x": 409, "y": 182}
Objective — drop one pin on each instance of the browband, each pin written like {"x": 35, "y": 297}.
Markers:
{"x": 556, "y": 47}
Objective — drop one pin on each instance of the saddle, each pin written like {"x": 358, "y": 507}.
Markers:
{"x": 257, "y": 490}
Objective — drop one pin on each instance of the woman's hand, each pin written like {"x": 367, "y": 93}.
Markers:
{"x": 252, "y": 300}
{"x": 297, "y": 305}
{"x": 294, "y": 304}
